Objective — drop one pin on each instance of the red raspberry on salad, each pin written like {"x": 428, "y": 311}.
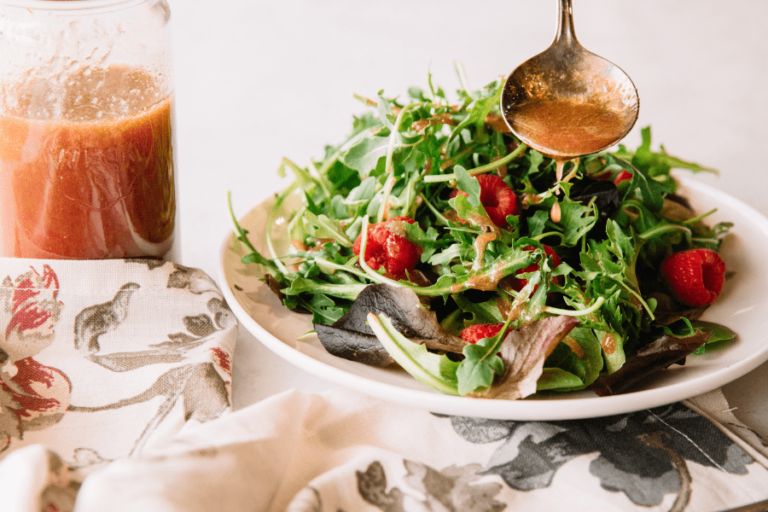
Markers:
{"x": 475, "y": 333}
{"x": 518, "y": 283}
{"x": 497, "y": 198}
{"x": 622, "y": 176}
{"x": 388, "y": 249}
{"x": 695, "y": 277}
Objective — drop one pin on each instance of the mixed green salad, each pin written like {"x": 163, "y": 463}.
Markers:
{"x": 434, "y": 239}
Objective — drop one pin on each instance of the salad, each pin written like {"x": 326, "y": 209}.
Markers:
{"x": 433, "y": 239}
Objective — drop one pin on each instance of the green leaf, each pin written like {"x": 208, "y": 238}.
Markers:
{"x": 435, "y": 371}
{"x": 468, "y": 184}
{"x": 616, "y": 358}
{"x": 477, "y": 370}
{"x": 385, "y": 112}
{"x": 480, "y": 312}
{"x": 364, "y": 155}
{"x": 535, "y": 160}
{"x": 650, "y": 191}
{"x": 576, "y": 220}
{"x": 593, "y": 358}
{"x": 564, "y": 358}
{"x": 327, "y": 228}
{"x": 556, "y": 379}
{"x": 656, "y": 163}
{"x": 362, "y": 193}
{"x": 344, "y": 291}
{"x": 447, "y": 256}
{"x": 537, "y": 222}
{"x": 256, "y": 257}
{"x": 480, "y": 109}
{"x": 428, "y": 241}
{"x": 719, "y": 332}
{"x": 474, "y": 214}
{"x": 323, "y": 309}
{"x": 721, "y": 335}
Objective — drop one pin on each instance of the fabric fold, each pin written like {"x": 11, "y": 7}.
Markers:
{"x": 344, "y": 451}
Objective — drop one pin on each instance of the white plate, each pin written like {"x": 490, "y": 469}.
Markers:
{"x": 742, "y": 306}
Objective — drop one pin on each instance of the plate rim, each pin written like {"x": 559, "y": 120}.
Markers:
{"x": 524, "y": 410}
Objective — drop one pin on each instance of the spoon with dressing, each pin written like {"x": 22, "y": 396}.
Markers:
{"x": 567, "y": 102}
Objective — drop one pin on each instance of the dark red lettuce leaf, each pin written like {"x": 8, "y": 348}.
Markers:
{"x": 352, "y": 338}
{"x": 652, "y": 358}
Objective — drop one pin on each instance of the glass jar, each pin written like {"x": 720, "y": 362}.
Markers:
{"x": 86, "y": 130}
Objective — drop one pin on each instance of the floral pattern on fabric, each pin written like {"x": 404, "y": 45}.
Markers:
{"x": 643, "y": 455}
{"x": 32, "y": 396}
{"x": 203, "y": 389}
{"x": 145, "y": 347}
{"x": 454, "y": 488}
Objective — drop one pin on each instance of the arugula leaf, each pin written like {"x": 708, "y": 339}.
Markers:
{"x": 344, "y": 291}
{"x": 364, "y": 155}
{"x": 480, "y": 109}
{"x": 657, "y": 163}
{"x": 469, "y": 185}
{"x": 537, "y": 222}
{"x": 323, "y": 309}
{"x": 478, "y": 369}
{"x": 327, "y": 228}
{"x": 428, "y": 241}
{"x": 481, "y": 312}
{"x": 362, "y": 193}
{"x": 575, "y": 222}
{"x": 648, "y": 190}
{"x": 241, "y": 235}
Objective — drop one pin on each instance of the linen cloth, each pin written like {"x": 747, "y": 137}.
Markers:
{"x": 118, "y": 399}
{"x": 99, "y": 360}
{"x": 344, "y": 451}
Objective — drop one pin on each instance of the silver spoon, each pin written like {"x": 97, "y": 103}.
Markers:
{"x": 568, "y": 102}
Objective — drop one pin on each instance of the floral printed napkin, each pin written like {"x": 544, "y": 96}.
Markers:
{"x": 115, "y": 377}
{"x": 341, "y": 451}
{"x": 100, "y": 360}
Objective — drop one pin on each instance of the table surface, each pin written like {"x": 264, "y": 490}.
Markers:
{"x": 259, "y": 81}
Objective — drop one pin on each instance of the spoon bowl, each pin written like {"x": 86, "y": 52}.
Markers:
{"x": 568, "y": 102}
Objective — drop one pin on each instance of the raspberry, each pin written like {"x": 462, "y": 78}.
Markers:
{"x": 497, "y": 198}
{"x": 623, "y": 176}
{"x": 388, "y": 249}
{"x": 475, "y": 333}
{"x": 695, "y": 277}
{"x": 517, "y": 284}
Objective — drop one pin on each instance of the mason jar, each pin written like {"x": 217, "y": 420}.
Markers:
{"x": 86, "y": 130}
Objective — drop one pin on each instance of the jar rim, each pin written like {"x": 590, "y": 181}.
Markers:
{"x": 72, "y": 6}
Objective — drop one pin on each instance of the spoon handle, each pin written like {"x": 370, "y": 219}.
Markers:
{"x": 565, "y": 33}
